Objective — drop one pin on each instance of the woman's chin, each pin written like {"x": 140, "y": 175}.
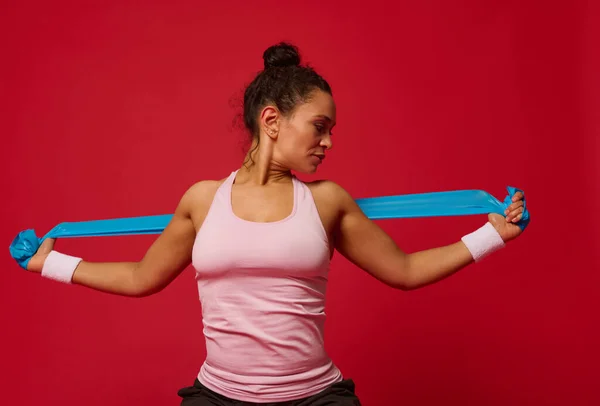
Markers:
{"x": 307, "y": 170}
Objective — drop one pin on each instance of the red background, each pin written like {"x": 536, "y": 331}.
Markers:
{"x": 114, "y": 108}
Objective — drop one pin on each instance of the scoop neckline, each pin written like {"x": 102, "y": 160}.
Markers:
{"x": 261, "y": 223}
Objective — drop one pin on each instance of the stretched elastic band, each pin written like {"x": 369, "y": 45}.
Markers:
{"x": 435, "y": 204}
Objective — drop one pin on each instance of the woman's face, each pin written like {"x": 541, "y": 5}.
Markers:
{"x": 305, "y": 134}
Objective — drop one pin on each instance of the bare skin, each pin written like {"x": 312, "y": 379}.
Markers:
{"x": 287, "y": 143}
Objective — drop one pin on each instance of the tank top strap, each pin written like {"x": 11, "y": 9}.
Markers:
{"x": 306, "y": 207}
{"x": 224, "y": 191}
{"x": 220, "y": 202}
{"x": 297, "y": 187}
{"x": 228, "y": 183}
{"x": 303, "y": 195}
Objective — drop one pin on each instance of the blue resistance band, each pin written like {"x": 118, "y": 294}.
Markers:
{"x": 436, "y": 204}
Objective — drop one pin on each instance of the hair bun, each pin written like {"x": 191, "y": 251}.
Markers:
{"x": 281, "y": 55}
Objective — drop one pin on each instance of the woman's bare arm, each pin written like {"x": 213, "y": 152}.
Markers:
{"x": 166, "y": 258}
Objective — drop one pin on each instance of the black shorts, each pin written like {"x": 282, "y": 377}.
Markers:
{"x": 338, "y": 394}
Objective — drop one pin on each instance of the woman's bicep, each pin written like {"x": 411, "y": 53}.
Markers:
{"x": 367, "y": 245}
{"x": 170, "y": 253}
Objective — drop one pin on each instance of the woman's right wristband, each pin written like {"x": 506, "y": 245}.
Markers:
{"x": 483, "y": 241}
{"x": 60, "y": 267}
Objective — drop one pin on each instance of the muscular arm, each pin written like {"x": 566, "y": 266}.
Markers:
{"x": 166, "y": 258}
{"x": 366, "y": 245}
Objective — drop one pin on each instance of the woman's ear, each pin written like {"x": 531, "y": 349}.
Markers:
{"x": 269, "y": 121}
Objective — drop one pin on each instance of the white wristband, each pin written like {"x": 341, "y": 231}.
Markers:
{"x": 483, "y": 241}
{"x": 60, "y": 267}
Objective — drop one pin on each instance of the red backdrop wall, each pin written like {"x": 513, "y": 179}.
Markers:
{"x": 112, "y": 109}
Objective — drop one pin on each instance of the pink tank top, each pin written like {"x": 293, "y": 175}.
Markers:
{"x": 262, "y": 289}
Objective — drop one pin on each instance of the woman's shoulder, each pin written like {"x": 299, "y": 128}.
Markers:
{"x": 323, "y": 185}
{"x": 199, "y": 195}
{"x": 202, "y": 191}
{"x": 329, "y": 191}
{"x": 197, "y": 200}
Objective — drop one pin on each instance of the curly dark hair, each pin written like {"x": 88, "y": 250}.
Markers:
{"x": 284, "y": 82}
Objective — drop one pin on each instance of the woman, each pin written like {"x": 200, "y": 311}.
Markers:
{"x": 261, "y": 242}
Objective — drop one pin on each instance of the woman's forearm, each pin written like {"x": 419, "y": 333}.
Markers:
{"x": 432, "y": 265}
{"x": 112, "y": 277}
